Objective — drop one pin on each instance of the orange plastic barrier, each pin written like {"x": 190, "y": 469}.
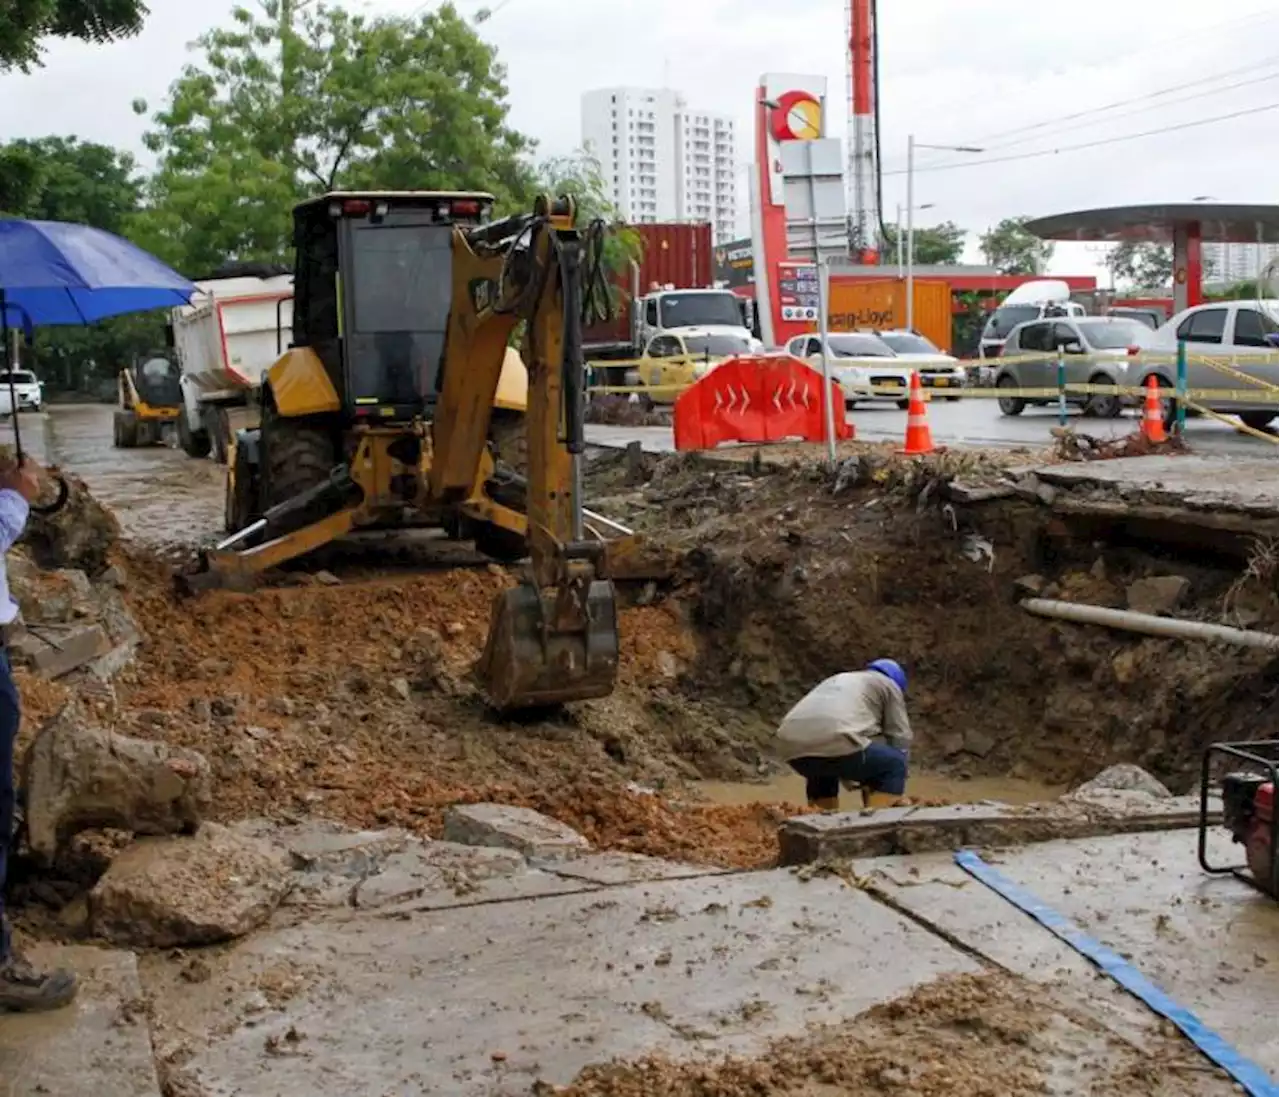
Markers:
{"x": 765, "y": 398}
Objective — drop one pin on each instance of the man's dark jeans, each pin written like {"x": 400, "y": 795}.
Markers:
{"x": 9, "y": 710}
{"x": 879, "y": 768}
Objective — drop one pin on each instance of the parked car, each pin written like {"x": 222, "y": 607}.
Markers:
{"x": 672, "y": 362}
{"x": 1097, "y": 350}
{"x": 860, "y": 362}
{"x": 1245, "y": 333}
{"x": 937, "y": 369}
{"x": 1151, "y": 317}
{"x": 26, "y": 388}
{"x": 1043, "y": 298}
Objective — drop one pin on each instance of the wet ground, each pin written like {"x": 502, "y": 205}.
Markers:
{"x": 160, "y": 495}
{"x": 978, "y": 423}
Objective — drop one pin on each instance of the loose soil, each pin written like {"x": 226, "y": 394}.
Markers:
{"x": 349, "y": 695}
{"x": 943, "y": 1040}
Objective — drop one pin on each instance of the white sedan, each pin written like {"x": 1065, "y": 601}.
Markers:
{"x": 937, "y": 369}
{"x": 860, "y": 362}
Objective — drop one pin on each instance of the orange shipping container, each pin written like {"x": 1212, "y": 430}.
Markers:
{"x": 859, "y": 304}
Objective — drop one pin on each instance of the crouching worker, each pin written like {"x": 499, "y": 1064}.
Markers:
{"x": 833, "y": 736}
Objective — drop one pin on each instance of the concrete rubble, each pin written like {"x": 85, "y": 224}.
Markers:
{"x": 809, "y": 838}
{"x": 1159, "y": 594}
{"x": 522, "y": 829}
{"x": 166, "y": 892}
{"x": 76, "y": 775}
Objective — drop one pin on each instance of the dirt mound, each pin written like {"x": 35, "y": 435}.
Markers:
{"x": 81, "y": 535}
{"x": 991, "y": 1035}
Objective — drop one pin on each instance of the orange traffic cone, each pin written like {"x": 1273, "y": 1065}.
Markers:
{"x": 1153, "y": 414}
{"x": 919, "y": 438}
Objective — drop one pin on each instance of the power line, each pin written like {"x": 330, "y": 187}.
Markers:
{"x": 1269, "y": 78}
{"x": 1088, "y": 144}
{"x": 1183, "y": 86}
{"x": 1150, "y": 47}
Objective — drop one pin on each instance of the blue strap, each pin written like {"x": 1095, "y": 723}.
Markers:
{"x": 1256, "y": 1081}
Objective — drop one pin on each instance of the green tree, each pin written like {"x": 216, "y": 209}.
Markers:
{"x": 294, "y": 102}
{"x": 63, "y": 179}
{"x": 580, "y": 177}
{"x": 1011, "y": 249}
{"x": 1142, "y": 265}
{"x": 943, "y": 243}
{"x": 24, "y": 22}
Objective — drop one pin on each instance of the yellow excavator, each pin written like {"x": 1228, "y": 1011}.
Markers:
{"x": 148, "y": 401}
{"x": 399, "y": 405}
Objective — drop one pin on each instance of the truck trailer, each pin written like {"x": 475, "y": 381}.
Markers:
{"x": 227, "y": 337}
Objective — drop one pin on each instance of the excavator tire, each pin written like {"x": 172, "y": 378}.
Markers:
{"x": 194, "y": 443}
{"x": 125, "y": 430}
{"x": 297, "y": 455}
{"x": 499, "y": 544}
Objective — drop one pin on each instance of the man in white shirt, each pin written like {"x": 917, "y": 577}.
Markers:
{"x": 833, "y": 736}
{"x": 23, "y": 989}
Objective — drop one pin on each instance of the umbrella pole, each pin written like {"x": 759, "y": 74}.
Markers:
{"x": 11, "y": 362}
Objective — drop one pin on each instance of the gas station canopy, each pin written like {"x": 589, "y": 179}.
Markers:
{"x": 1185, "y": 225}
{"x": 1228, "y": 224}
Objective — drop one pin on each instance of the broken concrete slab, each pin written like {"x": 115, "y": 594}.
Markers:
{"x": 610, "y": 868}
{"x": 100, "y": 1044}
{"x": 1158, "y": 594}
{"x": 1208, "y": 942}
{"x": 527, "y": 831}
{"x": 463, "y": 999}
{"x": 56, "y": 650}
{"x": 808, "y": 838}
{"x": 210, "y": 887}
{"x": 77, "y": 775}
{"x": 439, "y": 867}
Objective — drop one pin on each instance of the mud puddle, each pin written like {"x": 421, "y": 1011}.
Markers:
{"x": 789, "y": 789}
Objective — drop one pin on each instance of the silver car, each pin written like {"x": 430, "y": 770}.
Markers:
{"x": 1097, "y": 350}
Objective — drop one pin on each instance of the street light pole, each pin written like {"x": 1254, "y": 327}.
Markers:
{"x": 911, "y": 235}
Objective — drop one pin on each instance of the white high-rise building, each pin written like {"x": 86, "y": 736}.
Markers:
{"x": 1235, "y": 262}
{"x": 660, "y": 160}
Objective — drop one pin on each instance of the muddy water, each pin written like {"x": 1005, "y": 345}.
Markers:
{"x": 789, "y": 789}
{"x": 159, "y": 494}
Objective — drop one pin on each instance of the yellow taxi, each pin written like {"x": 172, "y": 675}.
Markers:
{"x": 674, "y": 360}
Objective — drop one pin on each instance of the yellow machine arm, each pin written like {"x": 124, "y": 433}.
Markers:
{"x": 554, "y": 637}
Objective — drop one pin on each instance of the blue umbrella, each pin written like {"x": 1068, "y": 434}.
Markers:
{"x": 54, "y": 272}
{"x": 57, "y": 273}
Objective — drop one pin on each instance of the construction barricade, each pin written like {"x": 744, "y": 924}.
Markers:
{"x": 763, "y": 398}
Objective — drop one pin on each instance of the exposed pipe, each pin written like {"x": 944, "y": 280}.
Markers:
{"x": 1130, "y": 621}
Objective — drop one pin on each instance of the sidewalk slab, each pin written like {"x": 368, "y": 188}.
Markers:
{"x": 100, "y": 1045}
{"x": 488, "y": 999}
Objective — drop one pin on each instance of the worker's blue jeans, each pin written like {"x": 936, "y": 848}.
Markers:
{"x": 878, "y": 768}
{"x": 9, "y": 711}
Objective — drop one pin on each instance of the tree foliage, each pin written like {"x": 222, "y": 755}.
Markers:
{"x": 942, "y": 243}
{"x": 580, "y": 177}
{"x": 1011, "y": 249}
{"x": 62, "y": 179}
{"x": 286, "y": 104}
{"x": 1142, "y": 265}
{"x": 23, "y": 23}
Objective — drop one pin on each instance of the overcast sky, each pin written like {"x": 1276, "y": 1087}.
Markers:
{"x": 950, "y": 73}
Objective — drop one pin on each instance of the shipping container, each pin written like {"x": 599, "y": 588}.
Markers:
{"x": 880, "y": 305}
{"x": 679, "y": 255}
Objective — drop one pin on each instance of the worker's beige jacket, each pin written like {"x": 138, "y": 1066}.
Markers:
{"x": 842, "y": 715}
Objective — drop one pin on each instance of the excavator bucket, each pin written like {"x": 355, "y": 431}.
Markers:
{"x": 552, "y": 647}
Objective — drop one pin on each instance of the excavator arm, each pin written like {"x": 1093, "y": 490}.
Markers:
{"x": 553, "y": 637}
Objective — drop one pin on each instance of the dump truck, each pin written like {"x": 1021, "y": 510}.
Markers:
{"x": 234, "y": 328}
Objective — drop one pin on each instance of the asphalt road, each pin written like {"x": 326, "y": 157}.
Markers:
{"x": 978, "y": 423}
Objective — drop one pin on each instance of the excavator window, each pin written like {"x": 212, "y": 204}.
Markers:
{"x": 400, "y": 278}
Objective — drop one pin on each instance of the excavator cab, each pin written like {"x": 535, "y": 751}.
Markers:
{"x": 385, "y": 412}
{"x": 148, "y": 400}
